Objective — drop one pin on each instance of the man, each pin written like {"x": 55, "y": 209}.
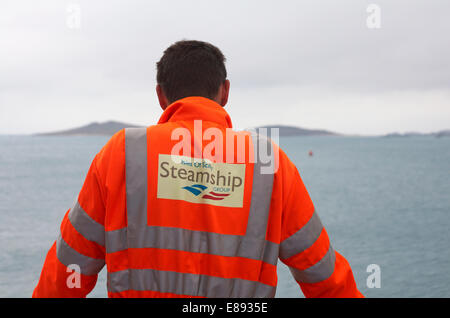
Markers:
{"x": 174, "y": 216}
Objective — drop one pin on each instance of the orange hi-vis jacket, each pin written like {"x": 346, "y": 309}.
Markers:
{"x": 201, "y": 221}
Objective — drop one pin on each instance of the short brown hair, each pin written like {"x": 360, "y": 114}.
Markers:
{"x": 191, "y": 68}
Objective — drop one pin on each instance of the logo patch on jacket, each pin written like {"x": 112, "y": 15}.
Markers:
{"x": 201, "y": 181}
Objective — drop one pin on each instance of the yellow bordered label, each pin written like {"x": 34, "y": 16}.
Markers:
{"x": 200, "y": 181}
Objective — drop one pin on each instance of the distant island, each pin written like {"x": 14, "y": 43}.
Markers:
{"x": 438, "y": 134}
{"x": 111, "y": 127}
{"x": 286, "y": 131}
{"x": 108, "y": 128}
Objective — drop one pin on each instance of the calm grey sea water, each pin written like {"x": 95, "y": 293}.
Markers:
{"x": 384, "y": 201}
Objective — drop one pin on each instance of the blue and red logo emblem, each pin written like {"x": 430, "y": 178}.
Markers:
{"x": 198, "y": 189}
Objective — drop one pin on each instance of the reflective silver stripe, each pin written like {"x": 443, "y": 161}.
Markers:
{"x": 255, "y": 235}
{"x": 67, "y": 256}
{"x": 186, "y": 284}
{"x": 302, "y": 239}
{"x": 116, "y": 240}
{"x": 136, "y": 183}
{"x": 176, "y": 238}
{"x": 254, "y": 240}
{"x": 320, "y": 271}
{"x": 271, "y": 252}
{"x": 86, "y": 226}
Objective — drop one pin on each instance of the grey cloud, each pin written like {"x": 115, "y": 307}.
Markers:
{"x": 322, "y": 44}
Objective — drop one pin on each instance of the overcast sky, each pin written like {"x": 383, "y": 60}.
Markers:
{"x": 313, "y": 64}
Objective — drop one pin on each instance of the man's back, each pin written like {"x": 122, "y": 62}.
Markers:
{"x": 187, "y": 208}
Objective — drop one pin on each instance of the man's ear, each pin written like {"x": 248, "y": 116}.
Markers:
{"x": 163, "y": 102}
{"x": 225, "y": 92}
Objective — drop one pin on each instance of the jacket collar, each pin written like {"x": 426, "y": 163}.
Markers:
{"x": 195, "y": 108}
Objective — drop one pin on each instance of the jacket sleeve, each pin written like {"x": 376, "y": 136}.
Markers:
{"x": 78, "y": 254}
{"x": 305, "y": 247}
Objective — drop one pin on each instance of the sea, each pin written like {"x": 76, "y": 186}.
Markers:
{"x": 385, "y": 203}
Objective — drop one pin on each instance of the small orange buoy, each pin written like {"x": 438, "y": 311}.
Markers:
{"x": 310, "y": 153}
